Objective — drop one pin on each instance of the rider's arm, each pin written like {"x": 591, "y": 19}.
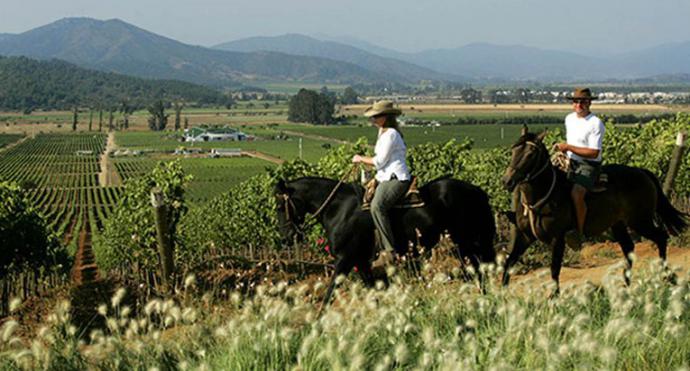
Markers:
{"x": 384, "y": 148}
{"x": 580, "y": 151}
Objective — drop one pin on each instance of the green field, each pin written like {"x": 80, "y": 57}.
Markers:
{"x": 484, "y": 136}
{"x": 210, "y": 176}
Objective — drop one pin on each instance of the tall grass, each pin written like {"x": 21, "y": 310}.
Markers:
{"x": 432, "y": 322}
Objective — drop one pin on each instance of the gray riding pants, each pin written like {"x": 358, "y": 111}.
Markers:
{"x": 388, "y": 193}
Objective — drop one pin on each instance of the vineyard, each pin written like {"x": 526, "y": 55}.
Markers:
{"x": 222, "y": 226}
{"x": 60, "y": 174}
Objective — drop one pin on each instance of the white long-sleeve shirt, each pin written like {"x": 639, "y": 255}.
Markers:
{"x": 389, "y": 156}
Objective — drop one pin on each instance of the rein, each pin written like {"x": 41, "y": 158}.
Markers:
{"x": 310, "y": 223}
{"x": 530, "y": 210}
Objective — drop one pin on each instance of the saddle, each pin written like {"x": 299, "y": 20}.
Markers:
{"x": 411, "y": 200}
{"x": 562, "y": 162}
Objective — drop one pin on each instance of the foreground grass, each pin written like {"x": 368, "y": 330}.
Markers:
{"x": 429, "y": 323}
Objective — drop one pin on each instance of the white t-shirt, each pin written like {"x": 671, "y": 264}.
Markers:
{"x": 389, "y": 156}
{"x": 587, "y": 132}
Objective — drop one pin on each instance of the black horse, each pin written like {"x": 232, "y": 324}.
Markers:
{"x": 451, "y": 205}
{"x": 544, "y": 211}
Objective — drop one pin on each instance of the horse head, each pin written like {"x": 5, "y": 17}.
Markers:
{"x": 291, "y": 212}
{"x": 529, "y": 157}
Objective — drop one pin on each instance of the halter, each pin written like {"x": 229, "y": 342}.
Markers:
{"x": 531, "y": 209}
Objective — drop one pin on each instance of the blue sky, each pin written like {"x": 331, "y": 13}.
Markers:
{"x": 585, "y": 26}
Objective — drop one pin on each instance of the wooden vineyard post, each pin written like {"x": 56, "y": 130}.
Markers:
{"x": 165, "y": 246}
{"x": 674, "y": 165}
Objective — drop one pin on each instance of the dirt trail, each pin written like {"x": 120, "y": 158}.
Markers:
{"x": 597, "y": 259}
{"x": 108, "y": 175}
{"x": 263, "y": 156}
{"x": 315, "y": 137}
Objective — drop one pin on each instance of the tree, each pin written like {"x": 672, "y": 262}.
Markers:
{"x": 90, "y": 118}
{"x": 186, "y": 122}
{"x": 178, "y": 106}
{"x": 349, "y": 96}
{"x": 126, "y": 109}
{"x": 75, "y": 118}
{"x": 100, "y": 118}
{"x": 469, "y": 95}
{"x": 312, "y": 107}
{"x": 111, "y": 116}
{"x": 158, "y": 119}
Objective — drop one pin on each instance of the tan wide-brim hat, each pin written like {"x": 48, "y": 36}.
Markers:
{"x": 582, "y": 93}
{"x": 382, "y": 107}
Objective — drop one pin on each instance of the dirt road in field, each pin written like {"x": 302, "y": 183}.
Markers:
{"x": 108, "y": 176}
{"x": 315, "y": 137}
{"x": 263, "y": 156}
{"x": 597, "y": 259}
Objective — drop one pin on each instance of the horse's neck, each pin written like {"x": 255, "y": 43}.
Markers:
{"x": 538, "y": 188}
{"x": 318, "y": 195}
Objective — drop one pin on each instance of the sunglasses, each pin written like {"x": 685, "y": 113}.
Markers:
{"x": 580, "y": 101}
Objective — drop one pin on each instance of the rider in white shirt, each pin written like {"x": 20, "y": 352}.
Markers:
{"x": 584, "y": 135}
{"x": 391, "y": 173}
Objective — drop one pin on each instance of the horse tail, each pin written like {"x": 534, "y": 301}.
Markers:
{"x": 488, "y": 229}
{"x": 674, "y": 220}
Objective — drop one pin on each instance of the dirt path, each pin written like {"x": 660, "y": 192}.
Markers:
{"x": 315, "y": 137}
{"x": 108, "y": 175}
{"x": 598, "y": 259}
{"x": 263, "y": 156}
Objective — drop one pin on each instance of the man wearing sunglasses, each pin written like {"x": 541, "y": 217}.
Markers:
{"x": 584, "y": 136}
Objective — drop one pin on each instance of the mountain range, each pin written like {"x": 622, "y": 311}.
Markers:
{"x": 116, "y": 46}
{"x": 483, "y": 61}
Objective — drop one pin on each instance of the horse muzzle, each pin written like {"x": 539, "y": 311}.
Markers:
{"x": 508, "y": 180}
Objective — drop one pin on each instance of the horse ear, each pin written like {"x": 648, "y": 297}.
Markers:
{"x": 542, "y": 135}
{"x": 525, "y": 130}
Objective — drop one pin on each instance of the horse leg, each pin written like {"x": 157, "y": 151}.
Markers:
{"x": 557, "y": 250}
{"x": 519, "y": 243}
{"x": 365, "y": 273}
{"x": 342, "y": 266}
{"x": 660, "y": 237}
{"x": 620, "y": 233}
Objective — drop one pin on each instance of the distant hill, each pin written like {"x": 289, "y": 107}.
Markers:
{"x": 116, "y": 46}
{"x": 516, "y": 62}
{"x": 54, "y": 84}
{"x": 297, "y": 44}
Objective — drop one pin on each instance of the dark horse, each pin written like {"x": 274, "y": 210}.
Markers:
{"x": 544, "y": 210}
{"x": 451, "y": 205}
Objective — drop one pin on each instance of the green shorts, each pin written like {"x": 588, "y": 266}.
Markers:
{"x": 584, "y": 173}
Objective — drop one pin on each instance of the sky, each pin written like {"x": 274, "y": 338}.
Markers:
{"x": 585, "y": 26}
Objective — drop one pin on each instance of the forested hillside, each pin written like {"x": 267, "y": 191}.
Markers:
{"x": 27, "y": 84}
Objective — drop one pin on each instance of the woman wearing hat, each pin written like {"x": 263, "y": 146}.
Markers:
{"x": 392, "y": 173}
{"x": 584, "y": 135}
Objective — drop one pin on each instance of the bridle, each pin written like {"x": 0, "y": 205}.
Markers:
{"x": 306, "y": 224}
{"x": 530, "y": 210}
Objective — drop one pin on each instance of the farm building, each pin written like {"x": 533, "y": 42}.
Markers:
{"x": 225, "y": 152}
{"x": 197, "y": 134}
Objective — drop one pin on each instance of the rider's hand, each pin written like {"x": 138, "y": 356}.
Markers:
{"x": 561, "y": 147}
{"x": 356, "y": 159}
